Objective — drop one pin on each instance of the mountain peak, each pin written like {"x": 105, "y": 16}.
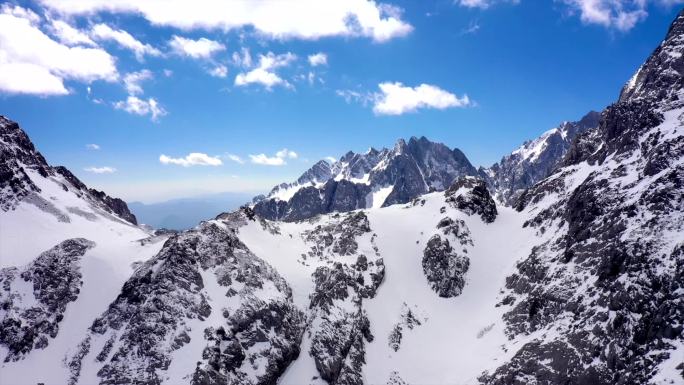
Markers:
{"x": 26, "y": 173}
{"x": 661, "y": 77}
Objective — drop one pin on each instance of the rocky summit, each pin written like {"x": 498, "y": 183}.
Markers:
{"x": 562, "y": 264}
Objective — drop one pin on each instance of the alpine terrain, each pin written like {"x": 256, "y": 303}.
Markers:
{"x": 562, "y": 264}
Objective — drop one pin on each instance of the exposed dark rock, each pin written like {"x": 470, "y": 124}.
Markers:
{"x": 474, "y": 199}
{"x": 31, "y": 319}
{"x": 535, "y": 160}
{"x": 18, "y": 156}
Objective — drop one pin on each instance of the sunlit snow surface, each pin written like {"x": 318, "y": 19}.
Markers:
{"x": 27, "y": 231}
{"x": 459, "y": 338}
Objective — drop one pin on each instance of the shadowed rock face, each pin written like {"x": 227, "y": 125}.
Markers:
{"x": 33, "y": 299}
{"x": 535, "y": 160}
{"x": 608, "y": 279}
{"x": 17, "y": 155}
{"x": 409, "y": 169}
{"x": 471, "y": 196}
{"x": 204, "y": 287}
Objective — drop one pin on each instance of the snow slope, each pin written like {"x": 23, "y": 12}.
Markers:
{"x": 458, "y": 337}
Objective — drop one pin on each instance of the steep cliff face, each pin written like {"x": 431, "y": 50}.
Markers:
{"x": 534, "y": 160}
{"x": 600, "y": 296}
{"x": 374, "y": 179}
{"x": 24, "y": 170}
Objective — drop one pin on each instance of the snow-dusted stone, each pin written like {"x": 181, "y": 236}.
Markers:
{"x": 599, "y": 298}
{"x": 340, "y": 327}
{"x": 373, "y": 179}
{"x": 444, "y": 267}
{"x": 535, "y": 159}
{"x": 408, "y": 320}
{"x": 204, "y": 299}
{"x": 19, "y": 159}
{"x": 471, "y": 196}
{"x": 33, "y": 299}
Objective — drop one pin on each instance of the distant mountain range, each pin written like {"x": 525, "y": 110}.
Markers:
{"x": 380, "y": 178}
{"x": 185, "y": 213}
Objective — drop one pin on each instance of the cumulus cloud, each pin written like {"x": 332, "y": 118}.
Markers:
{"x": 31, "y": 62}
{"x": 220, "y": 71}
{"x": 92, "y": 146}
{"x": 265, "y": 72}
{"x": 280, "y": 158}
{"x": 622, "y": 15}
{"x": 69, "y": 35}
{"x": 235, "y": 158}
{"x": 101, "y": 170}
{"x": 132, "y": 81}
{"x": 142, "y": 107}
{"x": 124, "y": 39}
{"x": 318, "y": 59}
{"x": 201, "y": 48}
{"x": 304, "y": 19}
{"x": 192, "y": 159}
{"x": 397, "y": 99}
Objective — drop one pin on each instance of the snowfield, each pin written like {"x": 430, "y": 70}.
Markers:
{"x": 458, "y": 337}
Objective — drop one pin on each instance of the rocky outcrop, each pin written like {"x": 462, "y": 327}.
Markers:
{"x": 19, "y": 158}
{"x": 341, "y": 327}
{"x": 605, "y": 281}
{"x": 471, "y": 196}
{"x": 204, "y": 284}
{"x": 409, "y": 169}
{"x": 535, "y": 159}
{"x": 33, "y": 299}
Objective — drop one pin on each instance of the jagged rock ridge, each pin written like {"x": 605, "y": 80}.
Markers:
{"x": 377, "y": 178}
{"x": 19, "y": 157}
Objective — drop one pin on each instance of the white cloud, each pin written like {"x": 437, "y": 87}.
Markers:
{"x": 304, "y": 19}
{"x": 220, "y": 71}
{"x": 168, "y": 73}
{"x": 201, "y": 48}
{"x": 101, "y": 170}
{"x": 622, "y": 15}
{"x": 125, "y": 40}
{"x": 331, "y": 159}
{"x": 265, "y": 160}
{"x": 70, "y": 35}
{"x": 318, "y": 59}
{"x": 472, "y": 28}
{"x": 264, "y": 73}
{"x": 243, "y": 58}
{"x": 285, "y": 153}
{"x": 142, "y": 107}
{"x": 397, "y": 99}
{"x": 280, "y": 158}
{"x": 33, "y": 63}
{"x": 235, "y": 158}
{"x": 484, "y": 4}
{"x": 132, "y": 81}
{"x": 22, "y": 13}
{"x": 192, "y": 159}
{"x": 92, "y": 146}
{"x": 350, "y": 96}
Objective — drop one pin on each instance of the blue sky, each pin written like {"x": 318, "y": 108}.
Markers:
{"x": 151, "y": 83}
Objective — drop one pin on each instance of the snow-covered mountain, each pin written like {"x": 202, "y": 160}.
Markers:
{"x": 580, "y": 282}
{"x": 380, "y": 178}
{"x": 535, "y": 159}
{"x": 377, "y": 178}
